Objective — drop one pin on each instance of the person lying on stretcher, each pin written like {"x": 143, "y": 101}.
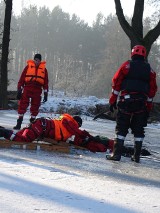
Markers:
{"x": 61, "y": 129}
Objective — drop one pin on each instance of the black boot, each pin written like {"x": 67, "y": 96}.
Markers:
{"x": 19, "y": 123}
{"x": 137, "y": 151}
{"x": 117, "y": 150}
{"x": 5, "y": 133}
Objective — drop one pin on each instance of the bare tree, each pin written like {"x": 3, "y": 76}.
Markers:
{"x": 4, "y": 56}
{"x": 135, "y": 30}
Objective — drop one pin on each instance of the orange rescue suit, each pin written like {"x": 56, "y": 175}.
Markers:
{"x": 34, "y": 74}
{"x": 61, "y": 133}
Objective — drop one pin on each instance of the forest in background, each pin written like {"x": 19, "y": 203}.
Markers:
{"x": 81, "y": 59}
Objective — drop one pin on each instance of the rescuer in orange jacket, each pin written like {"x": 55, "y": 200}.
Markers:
{"x": 33, "y": 79}
{"x": 134, "y": 86}
{"x": 59, "y": 129}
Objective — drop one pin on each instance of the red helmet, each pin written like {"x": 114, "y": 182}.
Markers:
{"x": 139, "y": 50}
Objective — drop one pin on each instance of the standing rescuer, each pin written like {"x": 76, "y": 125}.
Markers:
{"x": 33, "y": 79}
{"x": 134, "y": 84}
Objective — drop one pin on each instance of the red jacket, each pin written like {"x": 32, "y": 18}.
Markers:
{"x": 119, "y": 77}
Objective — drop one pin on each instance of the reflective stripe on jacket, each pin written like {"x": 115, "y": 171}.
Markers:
{"x": 61, "y": 133}
{"x": 34, "y": 74}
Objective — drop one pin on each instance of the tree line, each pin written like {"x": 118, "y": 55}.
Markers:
{"x": 80, "y": 58}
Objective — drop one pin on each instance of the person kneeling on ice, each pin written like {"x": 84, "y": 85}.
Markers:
{"x": 59, "y": 129}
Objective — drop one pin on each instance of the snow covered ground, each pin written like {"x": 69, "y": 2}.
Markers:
{"x": 82, "y": 181}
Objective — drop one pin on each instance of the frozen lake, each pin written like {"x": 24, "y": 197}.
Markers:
{"x": 80, "y": 182}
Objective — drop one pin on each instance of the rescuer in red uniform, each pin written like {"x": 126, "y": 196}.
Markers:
{"x": 134, "y": 86}
{"x": 33, "y": 80}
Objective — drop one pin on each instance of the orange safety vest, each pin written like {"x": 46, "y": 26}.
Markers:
{"x": 61, "y": 133}
{"x": 34, "y": 74}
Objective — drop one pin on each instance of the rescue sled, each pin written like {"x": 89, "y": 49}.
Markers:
{"x": 45, "y": 145}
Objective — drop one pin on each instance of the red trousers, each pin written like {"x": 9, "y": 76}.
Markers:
{"x": 36, "y": 130}
{"x": 30, "y": 96}
{"x": 95, "y": 146}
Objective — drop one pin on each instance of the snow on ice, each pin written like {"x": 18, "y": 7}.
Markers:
{"x": 82, "y": 181}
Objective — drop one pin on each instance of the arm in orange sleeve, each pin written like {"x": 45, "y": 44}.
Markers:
{"x": 74, "y": 130}
{"x": 21, "y": 81}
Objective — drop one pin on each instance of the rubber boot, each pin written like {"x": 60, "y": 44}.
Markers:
{"x": 5, "y": 133}
{"x": 117, "y": 150}
{"x": 110, "y": 144}
{"x": 137, "y": 151}
{"x": 19, "y": 123}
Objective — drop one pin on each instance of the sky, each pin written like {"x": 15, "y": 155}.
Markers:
{"x": 80, "y": 181}
{"x": 85, "y": 9}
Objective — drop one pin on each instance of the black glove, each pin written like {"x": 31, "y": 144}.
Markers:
{"x": 19, "y": 94}
{"x": 85, "y": 141}
{"x": 91, "y": 138}
{"x": 113, "y": 106}
{"x": 96, "y": 138}
{"x": 45, "y": 96}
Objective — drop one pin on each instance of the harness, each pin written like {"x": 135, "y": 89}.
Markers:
{"x": 44, "y": 124}
{"x": 133, "y": 97}
{"x": 132, "y": 103}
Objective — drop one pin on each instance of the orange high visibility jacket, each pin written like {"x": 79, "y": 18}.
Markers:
{"x": 61, "y": 133}
{"x": 34, "y": 74}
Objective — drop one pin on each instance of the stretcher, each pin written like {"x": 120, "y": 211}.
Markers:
{"x": 46, "y": 144}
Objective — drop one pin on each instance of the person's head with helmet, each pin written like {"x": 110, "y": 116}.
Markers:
{"x": 138, "y": 52}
